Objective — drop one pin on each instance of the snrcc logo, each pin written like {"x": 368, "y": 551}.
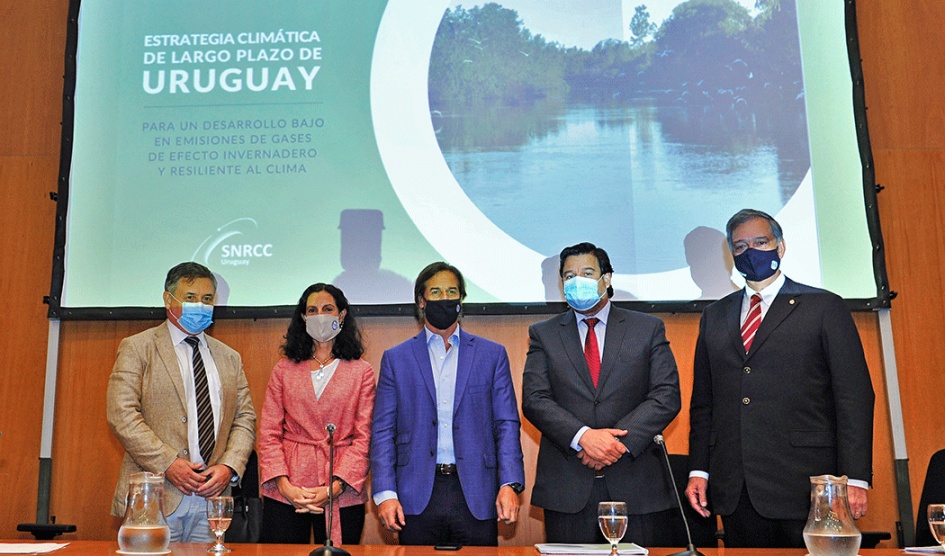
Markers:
{"x": 235, "y": 243}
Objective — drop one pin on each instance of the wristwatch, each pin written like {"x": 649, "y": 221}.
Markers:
{"x": 517, "y": 487}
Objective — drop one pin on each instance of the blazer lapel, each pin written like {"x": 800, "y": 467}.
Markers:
{"x": 422, "y": 355}
{"x": 168, "y": 356}
{"x": 571, "y": 340}
{"x": 733, "y": 321}
{"x": 617, "y": 328}
{"x": 782, "y": 306}
{"x": 467, "y": 353}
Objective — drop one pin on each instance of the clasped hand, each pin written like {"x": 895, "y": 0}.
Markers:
{"x": 191, "y": 478}
{"x": 304, "y": 499}
{"x": 601, "y": 447}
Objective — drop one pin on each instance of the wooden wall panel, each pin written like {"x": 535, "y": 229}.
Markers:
{"x": 32, "y": 49}
{"x": 88, "y": 353}
{"x": 913, "y": 209}
{"x": 24, "y": 263}
{"x": 902, "y": 50}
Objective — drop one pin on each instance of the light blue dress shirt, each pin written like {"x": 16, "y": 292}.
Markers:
{"x": 444, "y": 363}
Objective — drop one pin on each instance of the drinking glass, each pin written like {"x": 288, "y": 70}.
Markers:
{"x": 219, "y": 513}
{"x": 612, "y": 518}
{"x": 937, "y": 522}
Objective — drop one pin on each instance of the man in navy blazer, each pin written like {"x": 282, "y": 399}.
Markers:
{"x": 446, "y": 455}
{"x": 600, "y": 383}
{"x": 781, "y": 392}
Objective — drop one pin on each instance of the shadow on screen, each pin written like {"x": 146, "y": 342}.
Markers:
{"x": 223, "y": 290}
{"x": 363, "y": 280}
{"x": 710, "y": 262}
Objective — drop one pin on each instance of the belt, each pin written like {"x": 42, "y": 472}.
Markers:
{"x": 446, "y": 469}
{"x": 599, "y": 474}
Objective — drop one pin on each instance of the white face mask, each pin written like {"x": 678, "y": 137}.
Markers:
{"x": 322, "y": 328}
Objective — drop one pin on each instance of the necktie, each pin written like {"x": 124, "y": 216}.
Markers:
{"x": 752, "y": 322}
{"x": 204, "y": 409}
{"x": 591, "y": 353}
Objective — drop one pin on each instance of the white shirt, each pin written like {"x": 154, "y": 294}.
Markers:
{"x": 320, "y": 377}
{"x": 600, "y": 330}
{"x": 185, "y": 359}
{"x": 767, "y": 297}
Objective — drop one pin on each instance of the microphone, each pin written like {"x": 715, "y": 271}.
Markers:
{"x": 690, "y": 549}
{"x": 328, "y": 549}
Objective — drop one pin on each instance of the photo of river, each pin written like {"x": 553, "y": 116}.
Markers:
{"x": 632, "y": 144}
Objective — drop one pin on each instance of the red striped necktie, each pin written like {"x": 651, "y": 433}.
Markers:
{"x": 752, "y": 322}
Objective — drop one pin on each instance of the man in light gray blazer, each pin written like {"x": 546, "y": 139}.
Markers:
{"x": 159, "y": 380}
{"x": 599, "y": 391}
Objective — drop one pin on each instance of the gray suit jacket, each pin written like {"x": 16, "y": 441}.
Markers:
{"x": 147, "y": 411}
{"x": 638, "y": 390}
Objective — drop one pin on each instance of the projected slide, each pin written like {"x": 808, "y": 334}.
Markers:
{"x": 284, "y": 143}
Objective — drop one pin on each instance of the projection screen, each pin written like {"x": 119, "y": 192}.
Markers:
{"x": 283, "y": 143}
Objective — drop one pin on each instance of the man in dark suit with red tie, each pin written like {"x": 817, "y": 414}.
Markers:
{"x": 781, "y": 392}
{"x": 600, "y": 382}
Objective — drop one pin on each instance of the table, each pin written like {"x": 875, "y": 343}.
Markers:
{"x": 108, "y": 548}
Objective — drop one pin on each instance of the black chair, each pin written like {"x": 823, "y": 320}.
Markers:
{"x": 933, "y": 492}
{"x": 704, "y": 530}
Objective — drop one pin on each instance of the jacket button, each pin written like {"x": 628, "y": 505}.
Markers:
{"x": 596, "y": 402}
{"x": 186, "y": 452}
{"x": 747, "y": 370}
{"x": 431, "y": 453}
{"x": 184, "y": 419}
{"x": 746, "y": 401}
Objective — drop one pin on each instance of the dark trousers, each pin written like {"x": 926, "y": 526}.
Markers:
{"x": 281, "y": 524}
{"x": 447, "y": 519}
{"x": 746, "y": 528}
{"x": 655, "y": 529}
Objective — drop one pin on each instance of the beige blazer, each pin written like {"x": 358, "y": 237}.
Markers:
{"x": 147, "y": 411}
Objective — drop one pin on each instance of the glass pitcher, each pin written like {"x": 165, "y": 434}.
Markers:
{"x": 830, "y": 530}
{"x": 144, "y": 530}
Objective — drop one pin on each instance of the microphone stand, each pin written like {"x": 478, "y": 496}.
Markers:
{"x": 328, "y": 549}
{"x": 691, "y": 548}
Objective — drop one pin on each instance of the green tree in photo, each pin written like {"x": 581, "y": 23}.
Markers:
{"x": 640, "y": 25}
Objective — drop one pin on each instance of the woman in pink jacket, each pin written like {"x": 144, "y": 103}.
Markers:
{"x": 321, "y": 380}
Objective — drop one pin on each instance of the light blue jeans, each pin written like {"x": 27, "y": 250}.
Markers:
{"x": 189, "y": 522}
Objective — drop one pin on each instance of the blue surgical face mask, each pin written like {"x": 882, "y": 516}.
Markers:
{"x": 757, "y": 266}
{"x": 194, "y": 317}
{"x": 581, "y": 293}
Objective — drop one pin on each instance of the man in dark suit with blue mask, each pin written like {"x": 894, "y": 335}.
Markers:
{"x": 600, "y": 383}
{"x": 446, "y": 453}
{"x": 781, "y": 392}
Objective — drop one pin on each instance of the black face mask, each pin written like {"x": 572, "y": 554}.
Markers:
{"x": 442, "y": 313}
